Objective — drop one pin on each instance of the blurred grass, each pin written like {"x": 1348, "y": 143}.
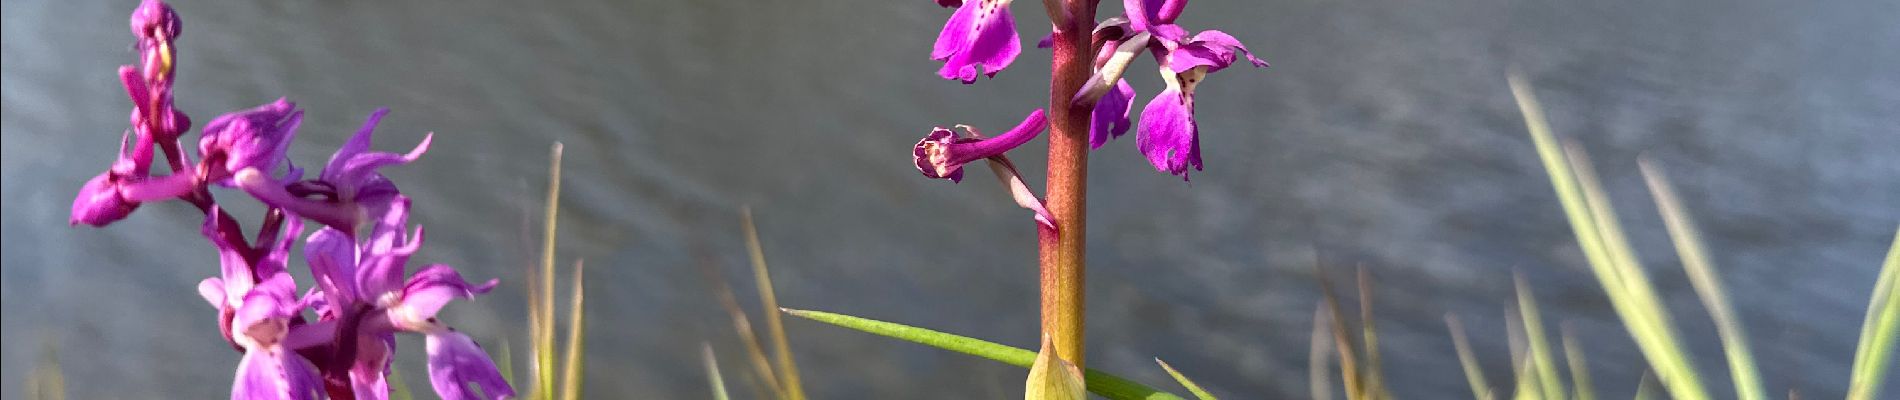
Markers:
{"x": 47, "y": 381}
{"x": 1702, "y": 275}
{"x": 714, "y": 378}
{"x": 545, "y": 379}
{"x": 1874, "y": 353}
{"x": 1600, "y": 236}
{"x": 781, "y": 349}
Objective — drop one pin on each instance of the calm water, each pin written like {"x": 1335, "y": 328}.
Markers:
{"x": 1383, "y": 136}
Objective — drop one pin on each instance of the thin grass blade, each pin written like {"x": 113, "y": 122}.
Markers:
{"x": 714, "y": 379}
{"x": 1342, "y": 341}
{"x": 1473, "y": 373}
{"x": 1192, "y": 387}
{"x": 574, "y": 363}
{"x": 1316, "y": 358}
{"x": 1579, "y": 367}
{"x": 544, "y": 332}
{"x": 781, "y": 348}
{"x": 1375, "y": 375}
{"x": 1100, "y": 383}
{"x": 1540, "y": 352}
{"x": 755, "y": 353}
{"x": 1702, "y": 275}
{"x": 1874, "y": 353}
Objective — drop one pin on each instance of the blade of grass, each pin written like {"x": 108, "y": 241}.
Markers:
{"x": 1317, "y": 381}
{"x": 1375, "y": 376}
{"x": 1539, "y": 342}
{"x": 506, "y": 362}
{"x": 1695, "y": 260}
{"x": 576, "y": 338}
{"x": 47, "y": 381}
{"x": 1473, "y": 373}
{"x": 1639, "y": 313}
{"x": 1646, "y": 388}
{"x": 1100, "y": 383}
{"x": 544, "y": 332}
{"x": 1527, "y": 386}
{"x": 1579, "y": 368}
{"x": 1192, "y": 388}
{"x": 1342, "y": 342}
{"x": 717, "y": 382}
{"x": 1523, "y": 369}
{"x": 761, "y": 364}
{"x": 781, "y": 348}
{"x": 1874, "y": 353}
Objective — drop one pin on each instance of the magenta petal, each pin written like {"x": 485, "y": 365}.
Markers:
{"x": 369, "y": 372}
{"x": 1109, "y": 118}
{"x": 343, "y": 216}
{"x": 1214, "y": 49}
{"x": 255, "y": 138}
{"x": 430, "y": 289}
{"x": 1168, "y": 135}
{"x": 99, "y": 202}
{"x": 921, "y": 154}
{"x": 332, "y": 258}
{"x": 459, "y": 370}
{"x": 212, "y": 290}
{"x": 276, "y": 374}
{"x": 980, "y": 39}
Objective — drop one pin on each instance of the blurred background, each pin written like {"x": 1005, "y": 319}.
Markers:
{"x": 1383, "y": 136}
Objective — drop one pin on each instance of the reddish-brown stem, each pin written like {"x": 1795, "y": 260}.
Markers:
{"x": 1061, "y": 258}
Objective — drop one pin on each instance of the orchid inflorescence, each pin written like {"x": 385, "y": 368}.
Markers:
{"x": 981, "y": 39}
{"x": 364, "y": 293}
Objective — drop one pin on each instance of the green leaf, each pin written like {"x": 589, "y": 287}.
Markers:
{"x": 1100, "y": 383}
{"x": 1695, "y": 261}
{"x": 1193, "y": 388}
{"x": 1874, "y": 353}
{"x": 576, "y": 340}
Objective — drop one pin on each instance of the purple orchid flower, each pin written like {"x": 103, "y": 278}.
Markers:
{"x": 260, "y": 317}
{"x": 362, "y": 283}
{"x": 271, "y": 369}
{"x": 254, "y": 138}
{"x": 1170, "y": 137}
{"x": 942, "y": 154}
{"x": 348, "y": 189}
{"x": 979, "y": 39}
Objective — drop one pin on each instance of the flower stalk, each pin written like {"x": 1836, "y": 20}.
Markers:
{"x": 1061, "y": 262}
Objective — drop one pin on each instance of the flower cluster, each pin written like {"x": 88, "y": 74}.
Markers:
{"x": 981, "y": 39}
{"x": 364, "y": 293}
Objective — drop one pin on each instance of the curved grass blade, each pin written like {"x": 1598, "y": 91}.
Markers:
{"x": 755, "y": 353}
{"x": 1192, "y": 388}
{"x": 1874, "y": 353}
{"x": 1100, "y": 383}
{"x": 1702, "y": 276}
{"x": 781, "y": 349}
